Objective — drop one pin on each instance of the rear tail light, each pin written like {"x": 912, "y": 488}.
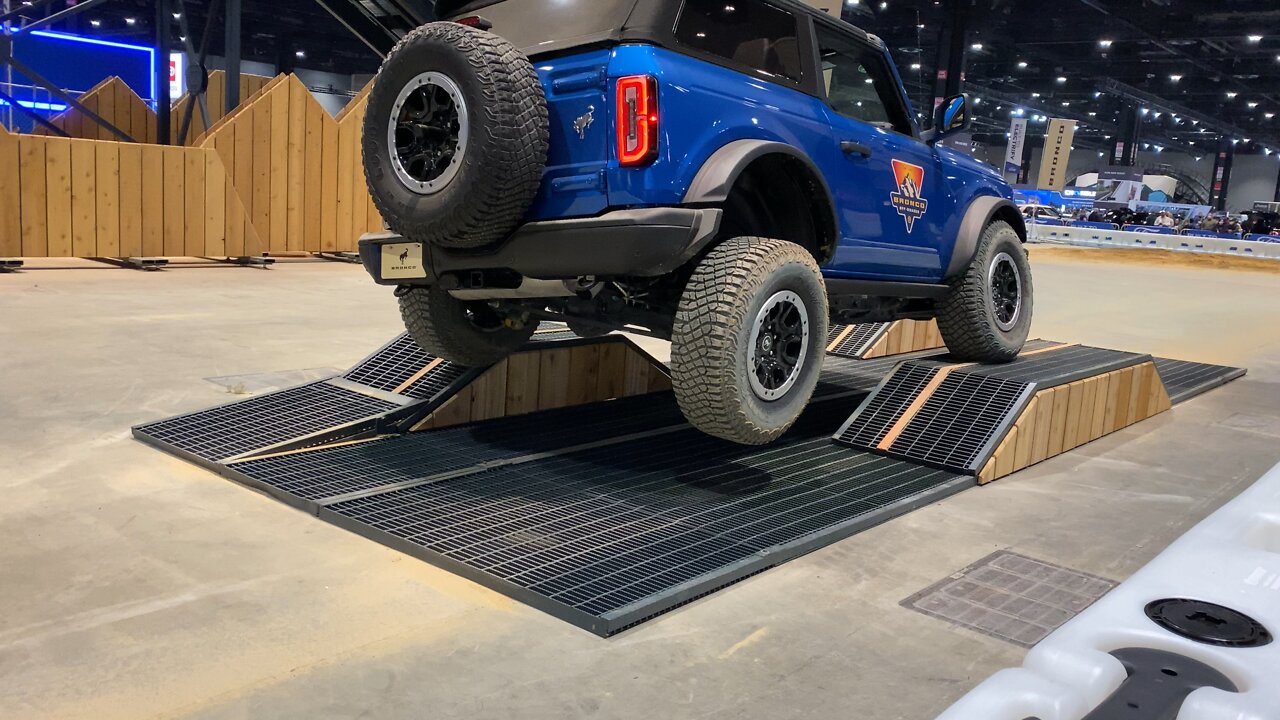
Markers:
{"x": 637, "y": 120}
{"x": 475, "y": 21}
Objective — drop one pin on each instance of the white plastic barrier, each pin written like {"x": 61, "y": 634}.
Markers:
{"x": 1232, "y": 558}
{"x": 1185, "y": 243}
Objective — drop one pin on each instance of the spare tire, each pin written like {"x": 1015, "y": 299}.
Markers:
{"x": 455, "y": 136}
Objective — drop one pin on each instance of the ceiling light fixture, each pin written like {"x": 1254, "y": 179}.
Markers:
{"x": 976, "y": 46}
{"x": 1023, "y": 63}
{"x": 1255, "y": 38}
{"x": 1104, "y": 43}
{"x": 1175, "y": 78}
{"x": 1061, "y": 79}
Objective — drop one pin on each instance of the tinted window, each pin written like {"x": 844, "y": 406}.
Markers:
{"x": 748, "y": 32}
{"x": 858, "y": 83}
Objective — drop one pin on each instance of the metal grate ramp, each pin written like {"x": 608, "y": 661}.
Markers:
{"x": 936, "y": 412}
{"x": 391, "y": 366}
{"x": 851, "y": 341}
{"x": 1185, "y": 380}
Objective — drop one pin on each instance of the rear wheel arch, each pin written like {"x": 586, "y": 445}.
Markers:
{"x": 776, "y": 191}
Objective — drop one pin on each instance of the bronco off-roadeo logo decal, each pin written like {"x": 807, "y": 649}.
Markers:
{"x": 907, "y": 200}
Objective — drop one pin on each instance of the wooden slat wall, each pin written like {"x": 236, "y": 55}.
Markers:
{"x": 1064, "y": 418}
{"x": 298, "y": 168}
{"x": 97, "y": 198}
{"x": 552, "y": 378}
{"x": 906, "y": 336}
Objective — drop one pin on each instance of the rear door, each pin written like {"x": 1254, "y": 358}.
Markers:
{"x": 887, "y": 184}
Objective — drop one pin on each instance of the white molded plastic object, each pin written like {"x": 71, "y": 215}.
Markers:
{"x": 1232, "y": 559}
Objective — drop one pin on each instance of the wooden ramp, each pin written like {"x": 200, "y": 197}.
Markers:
{"x": 867, "y": 341}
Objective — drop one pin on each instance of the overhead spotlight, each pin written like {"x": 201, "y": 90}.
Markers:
{"x": 1104, "y": 43}
{"x": 1156, "y": 116}
{"x": 182, "y": 38}
{"x": 1195, "y": 122}
{"x": 1268, "y": 115}
{"x": 131, "y": 21}
{"x": 1246, "y": 139}
{"x": 884, "y": 6}
{"x": 1231, "y": 94}
{"x": 1061, "y": 79}
{"x": 1022, "y": 64}
{"x": 1093, "y": 114}
{"x": 1235, "y": 141}
{"x": 1255, "y": 38}
{"x": 976, "y": 46}
{"x": 96, "y": 23}
{"x": 915, "y": 66}
{"x": 177, "y": 16}
{"x": 1097, "y": 93}
{"x": 1175, "y": 78}
{"x": 1066, "y": 103}
{"x": 1099, "y": 154}
{"x": 920, "y": 26}
{"x": 1198, "y": 159}
{"x": 300, "y": 54}
{"x": 1252, "y": 105}
{"x": 1145, "y": 111}
{"x": 1035, "y": 94}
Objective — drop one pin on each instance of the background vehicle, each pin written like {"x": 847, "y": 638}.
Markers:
{"x": 732, "y": 177}
{"x": 1040, "y": 212}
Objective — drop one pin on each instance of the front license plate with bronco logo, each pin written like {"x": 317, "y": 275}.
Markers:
{"x": 402, "y": 261}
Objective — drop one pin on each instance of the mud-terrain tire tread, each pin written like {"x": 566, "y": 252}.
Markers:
{"x": 964, "y": 314}
{"x": 507, "y": 152}
{"x": 713, "y": 309}
{"x": 436, "y": 321}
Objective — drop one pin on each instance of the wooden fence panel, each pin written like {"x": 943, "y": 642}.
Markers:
{"x": 10, "y": 196}
{"x": 108, "y": 199}
{"x": 152, "y": 200}
{"x": 33, "y": 169}
{"x": 84, "y": 189}
{"x": 311, "y": 183}
{"x": 175, "y": 202}
{"x": 193, "y": 196}
{"x": 278, "y": 209}
{"x": 130, "y": 200}
{"x": 297, "y": 125}
{"x": 215, "y": 205}
{"x": 58, "y": 183}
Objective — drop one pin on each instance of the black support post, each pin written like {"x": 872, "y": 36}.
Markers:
{"x": 1124, "y": 147}
{"x": 953, "y": 47}
{"x": 164, "y": 103}
{"x": 1220, "y": 182}
{"x": 232, "y": 51}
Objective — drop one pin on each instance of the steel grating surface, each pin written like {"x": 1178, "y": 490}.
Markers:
{"x": 617, "y": 534}
{"x": 333, "y": 472}
{"x": 439, "y": 379}
{"x": 230, "y": 430}
{"x": 878, "y": 414}
{"x": 1185, "y": 380}
{"x": 856, "y": 342}
{"x": 392, "y": 366}
{"x": 961, "y": 419}
{"x": 1059, "y": 367}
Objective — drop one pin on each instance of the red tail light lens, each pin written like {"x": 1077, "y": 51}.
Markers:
{"x": 637, "y": 120}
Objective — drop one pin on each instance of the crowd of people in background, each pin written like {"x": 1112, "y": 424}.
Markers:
{"x": 1240, "y": 224}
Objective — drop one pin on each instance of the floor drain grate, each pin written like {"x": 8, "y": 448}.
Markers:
{"x": 1011, "y": 597}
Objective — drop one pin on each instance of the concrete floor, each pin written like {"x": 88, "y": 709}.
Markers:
{"x": 134, "y": 585}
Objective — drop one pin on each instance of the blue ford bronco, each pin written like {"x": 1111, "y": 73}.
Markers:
{"x": 731, "y": 175}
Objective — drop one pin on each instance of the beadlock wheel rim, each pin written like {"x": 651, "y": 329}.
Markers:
{"x": 779, "y": 345}
{"x": 1005, "y": 283}
{"x": 427, "y": 133}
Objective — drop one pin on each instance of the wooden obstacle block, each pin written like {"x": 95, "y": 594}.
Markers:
{"x": 1063, "y": 418}
{"x": 907, "y": 336}
{"x": 553, "y": 376}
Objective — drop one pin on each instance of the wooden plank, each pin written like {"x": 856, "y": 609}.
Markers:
{"x": 130, "y": 199}
{"x": 297, "y": 164}
{"x": 988, "y": 473}
{"x": 1005, "y": 456}
{"x": 242, "y": 176}
{"x": 455, "y": 411}
{"x": 216, "y": 95}
{"x": 329, "y": 186}
{"x": 1026, "y": 434}
{"x": 58, "y": 187}
{"x": 1161, "y": 401}
{"x": 107, "y": 111}
{"x": 553, "y": 379}
{"x": 658, "y": 379}
{"x": 34, "y": 200}
{"x": 1075, "y": 403}
{"x": 1044, "y": 422}
{"x": 1097, "y": 426}
{"x": 313, "y": 162}
{"x": 613, "y": 365}
{"x": 215, "y": 205}
{"x": 1117, "y": 403}
{"x": 175, "y": 202}
{"x": 343, "y": 239}
{"x": 1058, "y": 424}
{"x": 260, "y": 112}
{"x": 1086, "y": 411}
{"x": 635, "y": 374}
{"x": 84, "y": 190}
{"x": 1141, "y": 398}
{"x": 920, "y": 335}
{"x": 108, "y": 199}
{"x": 489, "y": 394}
{"x": 10, "y": 196}
{"x": 584, "y": 374}
{"x": 523, "y": 372}
{"x": 279, "y": 213}
{"x": 194, "y": 227}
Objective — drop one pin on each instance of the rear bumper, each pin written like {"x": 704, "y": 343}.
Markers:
{"x": 645, "y": 242}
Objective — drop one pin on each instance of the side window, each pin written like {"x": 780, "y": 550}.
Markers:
{"x": 747, "y": 32}
{"x": 858, "y": 83}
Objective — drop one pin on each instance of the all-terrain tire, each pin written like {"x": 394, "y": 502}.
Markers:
{"x": 458, "y": 331}
{"x": 507, "y": 135}
{"x": 967, "y": 315}
{"x": 712, "y": 335}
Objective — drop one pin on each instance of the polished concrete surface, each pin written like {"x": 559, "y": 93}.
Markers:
{"x": 134, "y": 585}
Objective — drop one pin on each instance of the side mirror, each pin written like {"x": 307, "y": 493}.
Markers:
{"x": 952, "y": 117}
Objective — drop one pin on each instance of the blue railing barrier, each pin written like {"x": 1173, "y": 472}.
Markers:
{"x": 1149, "y": 229}
{"x": 1094, "y": 225}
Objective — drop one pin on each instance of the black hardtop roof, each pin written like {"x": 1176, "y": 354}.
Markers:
{"x": 597, "y": 20}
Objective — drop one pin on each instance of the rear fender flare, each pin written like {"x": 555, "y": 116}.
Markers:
{"x": 982, "y": 211}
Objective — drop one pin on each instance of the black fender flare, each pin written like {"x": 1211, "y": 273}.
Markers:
{"x": 976, "y": 219}
{"x": 717, "y": 176}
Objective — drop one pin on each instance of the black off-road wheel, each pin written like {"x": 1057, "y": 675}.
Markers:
{"x": 469, "y": 333}
{"x": 747, "y": 344}
{"x": 455, "y": 136}
{"x": 986, "y": 316}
